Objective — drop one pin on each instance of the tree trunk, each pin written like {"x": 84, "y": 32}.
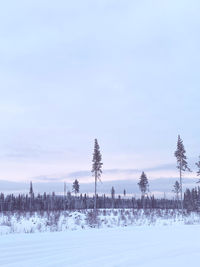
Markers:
{"x": 181, "y": 189}
{"x": 95, "y": 193}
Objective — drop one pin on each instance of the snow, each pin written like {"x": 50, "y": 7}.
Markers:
{"x": 76, "y": 220}
{"x": 117, "y": 238}
{"x": 138, "y": 246}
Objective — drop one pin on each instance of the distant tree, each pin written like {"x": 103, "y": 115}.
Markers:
{"x": 198, "y": 171}
{"x": 31, "y": 195}
{"x": 112, "y": 193}
{"x": 143, "y": 184}
{"x": 188, "y": 201}
{"x": 124, "y": 198}
{"x": 182, "y": 164}
{"x": 113, "y": 196}
{"x": 31, "y": 189}
{"x": 96, "y": 168}
{"x": 65, "y": 189}
{"x": 124, "y": 193}
{"x": 176, "y": 190}
{"x": 69, "y": 194}
{"x": 69, "y": 200}
{"x": 75, "y": 187}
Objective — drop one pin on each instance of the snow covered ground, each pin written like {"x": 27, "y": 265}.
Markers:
{"x": 76, "y": 220}
{"x": 138, "y": 246}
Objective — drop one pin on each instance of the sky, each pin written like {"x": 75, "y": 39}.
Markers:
{"x": 124, "y": 72}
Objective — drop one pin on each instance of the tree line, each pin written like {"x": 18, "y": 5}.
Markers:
{"x": 53, "y": 202}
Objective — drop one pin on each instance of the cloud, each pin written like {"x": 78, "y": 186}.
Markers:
{"x": 47, "y": 179}
{"x": 162, "y": 167}
{"x": 21, "y": 151}
{"x": 109, "y": 174}
{"x": 79, "y": 174}
{"x": 85, "y": 173}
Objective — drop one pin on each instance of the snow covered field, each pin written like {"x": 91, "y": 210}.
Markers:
{"x": 75, "y": 220}
{"x": 156, "y": 246}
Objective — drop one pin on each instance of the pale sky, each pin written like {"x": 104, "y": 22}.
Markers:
{"x": 124, "y": 72}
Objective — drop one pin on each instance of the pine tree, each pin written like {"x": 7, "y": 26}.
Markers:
{"x": 143, "y": 184}
{"x": 75, "y": 187}
{"x": 31, "y": 189}
{"x": 96, "y": 168}
{"x": 198, "y": 171}
{"x": 124, "y": 192}
{"x": 113, "y": 196}
{"x": 182, "y": 164}
{"x": 124, "y": 198}
{"x": 112, "y": 192}
{"x": 31, "y": 195}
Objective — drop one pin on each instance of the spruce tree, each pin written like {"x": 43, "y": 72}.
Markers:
{"x": 112, "y": 192}
{"x": 31, "y": 189}
{"x": 143, "y": 184}
{"x": 96, "y": 168}
{"x": 113, "y": 196}
{"x": 31, "y": 195}
{"x": 75, "y": 187}
{"x": 198, "y": 166}
{"x": 124, "y": 192}
{"x": 182, "y": 164}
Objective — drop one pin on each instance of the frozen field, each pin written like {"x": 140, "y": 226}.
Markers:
{"x": 152, "y": 246}
{"x": 76, "y": 220}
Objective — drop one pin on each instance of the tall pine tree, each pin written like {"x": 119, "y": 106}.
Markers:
{"x": 182, "y": 164}
{"x": 96, "y": 168}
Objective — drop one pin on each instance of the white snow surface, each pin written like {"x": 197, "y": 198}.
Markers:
{"x": 137, "y": 246}
{"x": 75, "y": 220}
